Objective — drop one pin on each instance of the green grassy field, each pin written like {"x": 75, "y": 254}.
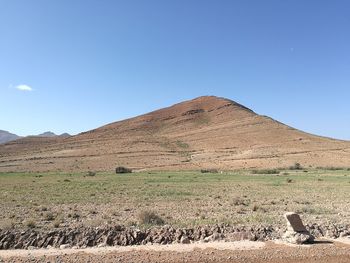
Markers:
{"x": 47, "y": 200}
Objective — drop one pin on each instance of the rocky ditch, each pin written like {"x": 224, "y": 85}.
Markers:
{"x": 126, "y": 236}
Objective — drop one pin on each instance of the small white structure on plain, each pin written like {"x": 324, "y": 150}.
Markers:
{"x": 296, "y": 232}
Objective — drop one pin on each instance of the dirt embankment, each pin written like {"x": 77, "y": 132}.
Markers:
{"x": 126, "y": 236}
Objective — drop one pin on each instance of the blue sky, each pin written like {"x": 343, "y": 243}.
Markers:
{"x": 89, "y": 63}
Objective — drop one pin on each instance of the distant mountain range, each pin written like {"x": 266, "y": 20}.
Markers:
{"x": 6, "y": 136}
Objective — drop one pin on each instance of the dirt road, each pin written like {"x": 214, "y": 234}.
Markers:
{"x": 233, "y": 252}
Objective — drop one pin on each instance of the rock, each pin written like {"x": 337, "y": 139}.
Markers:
{"x": 294, "y": 222}
{"x": 215, "y": 237}
{"x": 206, "y": 239}
{"x": 185, "y": 240}
{"x": 297, "y": 238}
{"x": 102, "y": 245}
{"x": 296, "y": 231}
{"x": 64, "y": 246}
{"x": 343, "y": 234}
{"x": 331, "y": 234}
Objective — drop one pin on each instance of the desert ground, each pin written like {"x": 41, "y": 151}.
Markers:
{"x": 182, "y": 199}
{"x": 239, "y": 205}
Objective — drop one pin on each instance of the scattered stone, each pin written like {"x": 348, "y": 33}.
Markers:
{"x": 65, "y": 246}
{"x": 102, "y": 245}
{"x": 296, "y": 231}
{"x": 185, "y": 240}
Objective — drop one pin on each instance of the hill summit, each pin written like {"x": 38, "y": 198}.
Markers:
{"x": 204, "y": 132}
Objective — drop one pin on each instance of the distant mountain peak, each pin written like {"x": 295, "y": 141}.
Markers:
{"x": 47, "y": 134}
{"x": 6, "y": 136}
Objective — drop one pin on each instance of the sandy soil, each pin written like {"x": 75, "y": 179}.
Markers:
{"x": 234, "y": 252}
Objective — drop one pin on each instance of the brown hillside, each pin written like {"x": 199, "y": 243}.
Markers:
{"x": 204, "y": 132}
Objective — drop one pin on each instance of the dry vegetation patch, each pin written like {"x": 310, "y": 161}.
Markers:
{"x": 178, "y": 198}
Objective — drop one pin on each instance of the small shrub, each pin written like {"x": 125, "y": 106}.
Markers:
{"x": 267, "y": 171}
{"x": 122, "y": 170}
{"x": 30, "y": 223}
{"x": 75, "y": 216}
{"x": 213, "y": 171}
{"x": 92, "y": 212}
{"x": 296, "y": 166}
{"x": 289, "y": 180}
{"x": 182, "y": 144}
{"x": 255, "y": 207}
{"x": 240, "y": 201}
{"x": 150, "y": 218}
{"x": 90, "y": 173}
{"x": 49, "y": 216}
{"x": 56, "y": 224}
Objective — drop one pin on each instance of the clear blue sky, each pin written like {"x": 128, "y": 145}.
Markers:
{"x": 89, "y": 63}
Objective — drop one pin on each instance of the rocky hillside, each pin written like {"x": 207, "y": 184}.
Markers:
{"x": 207, "y": 132}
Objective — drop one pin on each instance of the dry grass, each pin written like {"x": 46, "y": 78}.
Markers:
{"x": 150, "y": 218}
{"x": 179, "y": 198}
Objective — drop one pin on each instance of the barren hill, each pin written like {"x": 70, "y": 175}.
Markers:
{"x": 204, "y": 132}
{"x": 6, "y": 136}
